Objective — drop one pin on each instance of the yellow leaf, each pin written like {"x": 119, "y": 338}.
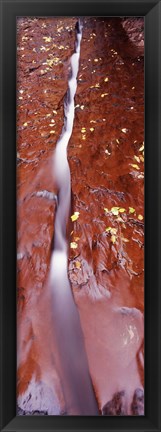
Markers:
{"x": 75, "y": 216}
{"x": 106, "y": 210}
{"x": 115, "y": 211}
{"x": 108, "y": 229}
{"x": 91, "y": 129}
{"x": 78, "y": 264}
{"x": 52, "y": 132}
{"x": 106, "y": 79}
{"x": 47, "y": 39}
{"x": 142, "y": 158}
{"x": 140, "y": 217}
{"x": 125, "y": 240}
{"x": 137, "y": 158}
{"x": 131, "y": 210}
{"x": 25, "y": 124}
{"x": 121, "y": 210}
{"x": 113, "y": 239}
{"x": 97, "y": 85}
{"x": 83, "y": 129}
{"x": 95, "y": 60}
{"x": 93, "y": 121}
{"x": 117, "y": 141}
{"x": 83, "y": 137}
{"x": 119, "y": 219}
{"x": 135, "y": 166}
{"x": 73, "y": 245}
{"x": 76, "y": 238}
{"x": 113, "y": 231}
{"x": 124, "y": 130}
{"x": 103, "y": 95}
{"x": 141, "y": 148}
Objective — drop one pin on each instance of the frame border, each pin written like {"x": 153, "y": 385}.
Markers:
{"x": 151, "y": 10}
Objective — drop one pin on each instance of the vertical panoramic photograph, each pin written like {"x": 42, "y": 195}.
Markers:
{"x": 80, "y": 216}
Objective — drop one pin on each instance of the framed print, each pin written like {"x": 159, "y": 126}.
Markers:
{"x": 80, "y": 295}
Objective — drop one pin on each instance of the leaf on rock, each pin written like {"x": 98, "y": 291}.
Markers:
{"x": 140, "y": 217}
{"x": 141, "y": 148}
{"x": 78, "y": 264}
{"x": 75, "y": 216}
{"x": 121, "y": 210}
{"x": 131, "y": 210}
{"x": 115, "y": 211}
{"x": 113, "y": 239}
{"x": 73, "y": 245}
{"x": 137, "y": 158}
{"x": 135, "y": 166}
{"x": 108, "y": 229}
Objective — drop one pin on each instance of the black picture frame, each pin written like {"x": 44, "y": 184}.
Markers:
{"x": 151, "y": 10}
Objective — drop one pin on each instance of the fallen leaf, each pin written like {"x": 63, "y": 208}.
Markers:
{"x": 91, "y": 129}
{"x": 135, "y": 166}
{"x": 25, "y": 124}
{"x": 115, "y": 211}
{"x": 106, "y": 210}
{"x": 119, "y": 219}
{"x": 124, "y": 130}
{"x": 121, "y": 210}
{"x": 73, "y": 245}
{"x": 47, "y": 39}
{"x": 113, "y": 239}
{"x": 124, "y": 239}
{"x": 140, "y": 217}
{"x": 137, "y": 158}
{"x": 75, "y": 216}
{"x": 113, "y": 231}
{"x": 103, "y": 95}
{"x": 78, "y": 264}
{"x": 106, "y": 79}
{"x": 83, "y": 129}
{"x": 142, "y": 158}
{"x": 141, "y": 148}
{"x": 131, "y": 210}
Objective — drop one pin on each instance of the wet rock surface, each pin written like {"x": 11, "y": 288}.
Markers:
{"x": 106, "y": 157}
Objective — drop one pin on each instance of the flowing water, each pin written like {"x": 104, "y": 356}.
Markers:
{"x": 73, "y": 364}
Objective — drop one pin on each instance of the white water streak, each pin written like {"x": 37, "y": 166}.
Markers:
{"x": 73, "y": 364}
